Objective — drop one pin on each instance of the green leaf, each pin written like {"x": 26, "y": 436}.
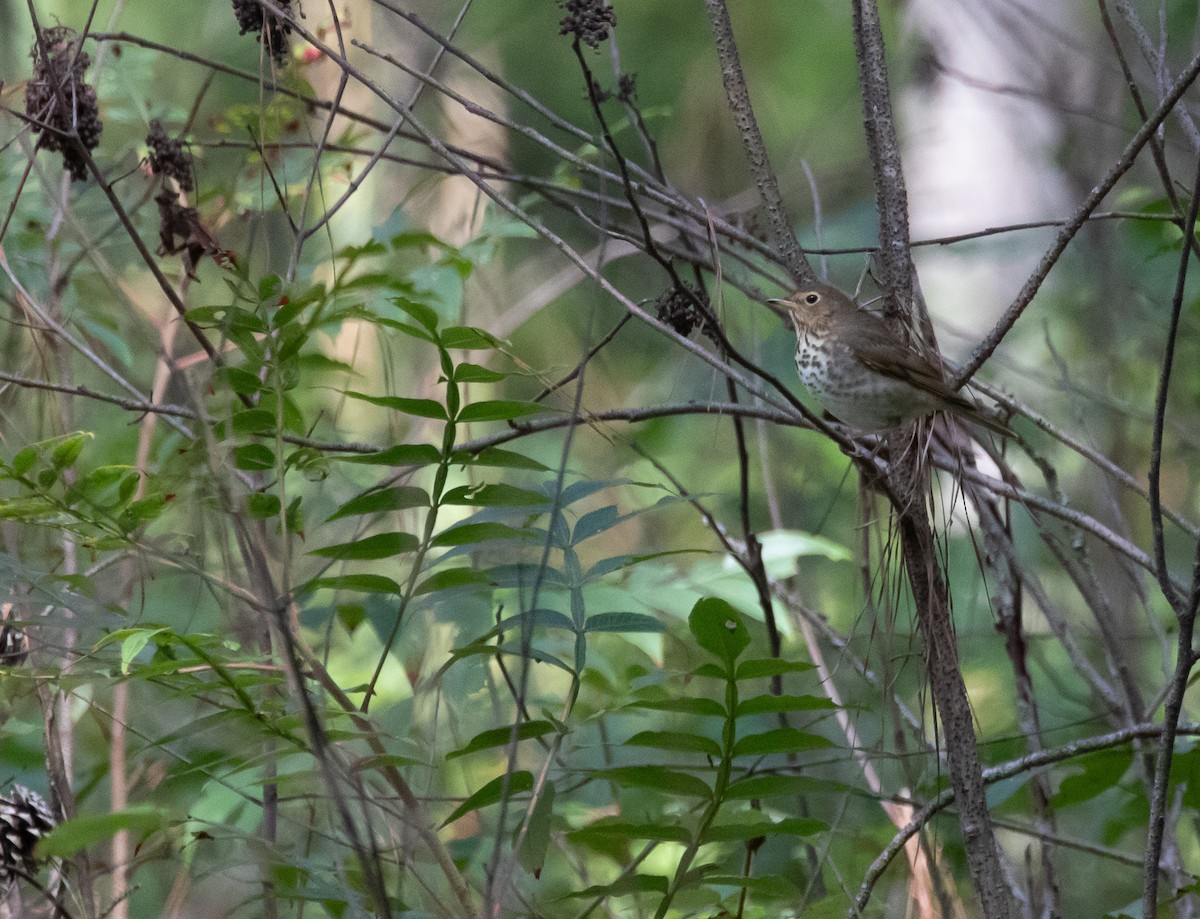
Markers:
{"x": 241, "y": 381}
{"x": 424, "y": 408}
{"x": 775, "y": 786}
{"x": 685, "y": 706}
{"x": 675, "y": 740}
{"x": 594, "y": 522}
{"x": 624, "y": 886}
{"x": 497, "y": 458}
{"x": 399, "y": 455}
{"x": 473, "y": 373}
{"x": 623, "y": 622}
{"x": 537, "y": 831}
{"x": 254, "y": 457}
{"x": 144, "y": 509}
{"x": 656, "y": 778}
{"x": 469, "y": 533}
{"x": 538, "y": 618}
{"x": 381, "y": 545}
{"x": 468, "y": 338}
{"x": 772, "y": 887}
{"x": 719, "y": 629}
{"x": 780, "y": 740}
{"x": 261, "y": 505}
{"x": 382, "y": 500}
{"x": 753, "y": 828}
{"x": 425, "y": 315}
{"x": 1101, "y": 771}
{"x": 310, "y": 463}
{"x": 404, "y": 327}
{"x": 781, "y": 548}
{"x": 79, "y": 833}
{"x": 499, "y": 410}
{"x": 384, "y": 761}
{"x": 452, "y": 578}
{"x": 24, "y": 460}
{"x": 133, "y": 644}
{"x": 367, "y": 583}
{"x": 610, "y": 827}
{"x": 769, "y": 667}
{"x": 766, "y": 704}
{"x": 498, "y": 789}
{"x": 253, "y": 421}
{"x": 496, "y": 495}
{"x": 67, "y": 451}
{"x": 502, "y": 737}
{"x": 97, "y": 481}
{"x": 351, "y": 615}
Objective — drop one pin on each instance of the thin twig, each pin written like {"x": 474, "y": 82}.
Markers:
{"x": 1064, "y": 237}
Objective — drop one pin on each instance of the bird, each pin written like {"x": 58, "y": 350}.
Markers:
{"x": 862, "y": 372}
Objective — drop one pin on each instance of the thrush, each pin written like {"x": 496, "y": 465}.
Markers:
{"x": 862, "y": 372}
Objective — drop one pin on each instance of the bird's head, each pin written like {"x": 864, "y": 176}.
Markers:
{"x": 814, "y": 302}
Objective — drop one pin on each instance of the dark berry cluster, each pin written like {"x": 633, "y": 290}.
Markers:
{"x": 588, "y": 20}
{"x": 167, "y": 157}
{"x": 60, "y": 106}
{"x": 24, "y": 819}
{"x": 271, "y": 28}
{"x": 684, "y": 309}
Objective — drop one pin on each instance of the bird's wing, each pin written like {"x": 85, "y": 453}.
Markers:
{"x": 882, "y": 350}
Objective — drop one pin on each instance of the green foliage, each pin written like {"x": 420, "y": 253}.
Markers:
{"x": 374, "y": 612}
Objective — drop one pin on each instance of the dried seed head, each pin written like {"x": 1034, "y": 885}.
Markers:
{"x": 588, "y": 20}
{"x": 60, "y": 106}
{"x": 677, "y": 307}
{"x": 167, "y": 156}
{"x": 272, "y": 29}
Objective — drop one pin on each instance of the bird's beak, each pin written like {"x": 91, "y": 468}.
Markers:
{"x": 780, "y": 307}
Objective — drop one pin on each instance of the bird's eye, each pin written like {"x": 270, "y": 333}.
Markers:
{"x": 812, "y": 298}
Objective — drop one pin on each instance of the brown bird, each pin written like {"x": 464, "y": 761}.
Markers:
{"x": 862, "y": 372}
